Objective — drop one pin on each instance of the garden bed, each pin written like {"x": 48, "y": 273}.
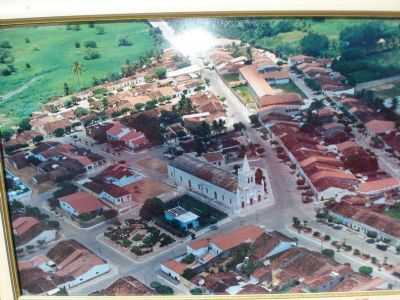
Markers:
{"x": 136, "y": 236}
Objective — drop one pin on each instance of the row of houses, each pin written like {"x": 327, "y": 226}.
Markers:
{"x": 375, "y": 123}
{"x": 57, "y": 161}
{"x": 319, "y": 70}
{"x": 29, "y": 231}
{"x": 66, "y": 265}
{"x": 279, "y": 265}
{"x": 333, "y": 169}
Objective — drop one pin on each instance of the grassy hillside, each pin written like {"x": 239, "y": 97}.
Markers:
{"x": 51, "y": 51}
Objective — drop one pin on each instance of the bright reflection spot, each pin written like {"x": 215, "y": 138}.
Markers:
{"x": 193, "y": 42}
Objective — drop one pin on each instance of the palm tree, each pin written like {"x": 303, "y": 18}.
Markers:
{"x": 77, "y": 69}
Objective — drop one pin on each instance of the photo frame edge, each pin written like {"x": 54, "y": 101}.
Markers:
{"x": 9, "y": 280}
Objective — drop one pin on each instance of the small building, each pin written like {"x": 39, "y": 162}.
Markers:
{"x": 215, "y": 158}
{"x": 125, "y": 286}
{"x": 185, "y": 219}
{"x": 66, "y": 265}
{"x": 29, "y": 231}
{"x": 377, "y": 127}
{"x": 131, "y": 138}
{"x": 119, "y": 174}
{"x": 18, "y": 160}
{"x": 81, "y": 203}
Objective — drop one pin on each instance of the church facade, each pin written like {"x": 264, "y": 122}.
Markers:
{"x": 218, "y": 187}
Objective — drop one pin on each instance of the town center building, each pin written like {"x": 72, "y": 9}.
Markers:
{"x": 216, "y": 186}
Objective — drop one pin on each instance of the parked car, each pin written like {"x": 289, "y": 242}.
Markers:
{"x": 213, "y": 227}
{"x": 382, "y": 247}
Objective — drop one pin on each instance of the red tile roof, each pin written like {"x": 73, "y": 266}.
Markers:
{"x": 380, "y": 126}
{"x": 198, "y": 244}
{"x": 366, "y": 216}
{"x": 379, "y": 185}
{"x": 116, "y": 128}
{"x": 280, "y": 99}
{"x": 83, "y": 202}
{"x": 256, "y": 81}
{"x": 175, "y": 266}
{"x": 22, "y": 225}
{"x": 244, "y": 234}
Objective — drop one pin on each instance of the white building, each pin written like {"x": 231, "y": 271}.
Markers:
{"x": 218, "y": 187}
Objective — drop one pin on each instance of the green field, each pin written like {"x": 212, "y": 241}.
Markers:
{"x": 231, "y": 77}
{"x": 51, "y": 53}
{"x": 394, "y": 212}
{"x": 289, "y": 88}
{"x": 389, "y": 90}
{"x": 375, "y": 66}
{"x": 245, "y": 94}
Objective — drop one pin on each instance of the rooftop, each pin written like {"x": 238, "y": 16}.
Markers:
{"x": 83, "y": 202}
{"x": 280, "y": 99}
{"x": 256, "y": 81}
{"x": 206, "y": 171}
{"x": 126, "y": 286}
{"x": 380, "y": 126}
{"x": 369, "y": 217}
{"x": 379, "y": 185}
{"x": 22, "y": 225}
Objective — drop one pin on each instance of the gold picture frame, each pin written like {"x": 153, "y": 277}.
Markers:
{"x": 9, "y": 283}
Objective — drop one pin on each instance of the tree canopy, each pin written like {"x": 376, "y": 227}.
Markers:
{"x": 314, "y": 44}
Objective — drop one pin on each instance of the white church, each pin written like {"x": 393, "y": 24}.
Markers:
{"x": 218, "y": 187}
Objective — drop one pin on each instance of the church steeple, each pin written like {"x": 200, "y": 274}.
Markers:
{"x": 246, "y": 165}
{"x": 245, "y": 174}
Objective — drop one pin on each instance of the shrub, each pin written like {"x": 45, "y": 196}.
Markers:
{"x": 59, "y": 132}
{"x": 328, "y": 252}
{"x": 91, "y": 54}
{"x": 124, "y": 41}
{"x": 137, "y": 237}
{"x": 188, "y": 259}
{"x": 366, "y": 270}
{"x": 196, "y": 291}
{"x": 90, "y": 44}
{"x": 126, "y": 243}
{"x": 164, "y": 290}
{"x": 188, "y": 274}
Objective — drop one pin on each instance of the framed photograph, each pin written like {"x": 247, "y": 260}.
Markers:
{"x": 232, "y": 156}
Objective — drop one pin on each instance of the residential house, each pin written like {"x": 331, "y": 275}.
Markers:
{"x": 66, "y": 265}
{"x": 81, "y": 203}
{"x": 206, "y": 250}
{"x": 125, "y": 286}
{"x": 363, "y": 219}
{"x": 30, "y": 231}
{"x": 378, "y": 127}
{"x": 119, "y": 174}
{"x": 131, "y": 138}
{"x": 307, "y": 270}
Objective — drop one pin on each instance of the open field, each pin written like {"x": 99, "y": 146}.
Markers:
{"x": 289, "y": 88}
{"x": 51, "y": 52}
{"x": 375, "y": 66}
{"x": 245, "y": 94}
{"x": 388, "y": 90}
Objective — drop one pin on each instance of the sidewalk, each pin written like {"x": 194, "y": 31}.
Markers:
{"x": 341, "y": 256}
